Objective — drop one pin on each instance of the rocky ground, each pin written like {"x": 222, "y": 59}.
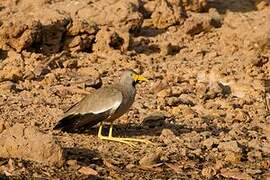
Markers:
{"x": 205, "y": 107}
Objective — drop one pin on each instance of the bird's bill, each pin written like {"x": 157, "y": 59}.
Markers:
{"x": 139, "y": 78}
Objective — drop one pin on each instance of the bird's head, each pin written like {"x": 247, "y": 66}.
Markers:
{"x": 130, "y": 76}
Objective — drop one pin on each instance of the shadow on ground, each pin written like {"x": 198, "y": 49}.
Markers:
{"x": 131, "y": 130}
{"x": 83, "y": 156}
{"x": 233, "y": 5}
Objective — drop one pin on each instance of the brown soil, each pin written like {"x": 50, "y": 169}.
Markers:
{"x": 206, "y": 106}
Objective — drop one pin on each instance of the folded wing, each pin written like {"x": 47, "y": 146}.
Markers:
{"x": 91, "y": 110}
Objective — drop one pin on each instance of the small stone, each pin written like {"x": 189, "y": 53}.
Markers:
{"x": 201, "y": 89}
{"x": 210, "y": 142}
{"x": 187, "y": 99}
{"x": 208, "y": 172}
{"x": 72, "y": 163}
{"x": 130, "y": 166}
{"x": 159, "y": 86}
{"x": 73, "y": 42}
{"x": 265, "y": 164}
{"x": 154, "y": 119}
{"x": 266, "y": 148}
{"x": 72, "y": 63}
{"x": 94, "y": 83}
{"x": 267, "y": 176}
{"x": 116, "y": 41}
{"x": 164, "y": 93}
{"x": 235, "y": 174}
{"x": 233, "y": 157}
{"x": 151, "y": 158}
{"x": 229, "y": 146}
{"x": 219, "y": 164}
{"x": 175, "y": 111}
{"x": 202, "y": 78}
{"x": 80, "y": 25}
{"x": 226, "y": 89}
{"x": 7, "y": 86}
{"x": 196, "y": 6}
{"x": 254, "y": 156}
{"x": 11, "y": 73}
{"x": 197, "y": 152}
{"x": 88, "y": 71}
{"x": 41, "y": 70}
{"x": 2, "y": 125}
{"x": 29, "y": 75}
{"x": 261, "y": 4}
{"x": 253, "y": 171}
{"x": 8, "y": 169}
{"x": 167, "y": 136}
{"x": 169, "y": 49}
{"x": 167, "y": 13}
{"x": 20, "y": 165}
{"x": 182, "y": 110}
{"x": 254, "y": 143}
{"x": 49, "y": 79}
{"x": 11, "y": 165}
{"x": 173, "y": 101}
{"x": 27, "y": 142}
{"x": 215, "y": 18}
{"x": 88, "y": 171}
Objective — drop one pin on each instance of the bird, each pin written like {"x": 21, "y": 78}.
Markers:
{"x": 106, "y": 104}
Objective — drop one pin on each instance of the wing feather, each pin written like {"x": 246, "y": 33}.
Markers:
{"x": 92, "y": 109}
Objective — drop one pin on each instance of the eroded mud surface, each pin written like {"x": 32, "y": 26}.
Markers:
{"x": 206, "y": 105}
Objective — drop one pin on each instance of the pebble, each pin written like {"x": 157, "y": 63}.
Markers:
{"x": 29, "y": 143}
{"x": 159, "y": 86}
{"x": 208, "y": 172}
{"x": 2, "y": 126}
{"x": 164, "y": 93}
{"x": 232, "y": 157}
{"x": 72, "y": 63}
{"x": 187, "y": 99}
{"x": 88, "y": 171}
{"x": 12, "y": 73}
{"x": 229, "y": 146}
{"x": 235, "y": 174}
{"x": 72, "y": 163}
{"x": 7, "y": 86}
{"x": 254, "y": 156}
{"x": 94, "y": 83}
{"x": 210, "y": 142}
{"x": 167, "y": 136}
{"x": 130, "y": 166}
{"x": 154, "y": 119}
{"x": 151, "y": 158}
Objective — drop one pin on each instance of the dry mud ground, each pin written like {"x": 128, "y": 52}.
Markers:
{"x": 206, "y": 105}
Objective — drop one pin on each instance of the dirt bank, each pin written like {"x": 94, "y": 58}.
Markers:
{"x": 206, "y": 106}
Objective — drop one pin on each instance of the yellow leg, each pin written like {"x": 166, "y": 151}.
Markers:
{"x": 122, "y": 140}
{"x": 128, "y": 139}
{"x": 110, "y": 138}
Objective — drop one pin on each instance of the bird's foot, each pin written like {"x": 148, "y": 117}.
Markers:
{"x": 137, "y": 140}
{"x": 125, "y": 140}
{"x": 117, "y": 140}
